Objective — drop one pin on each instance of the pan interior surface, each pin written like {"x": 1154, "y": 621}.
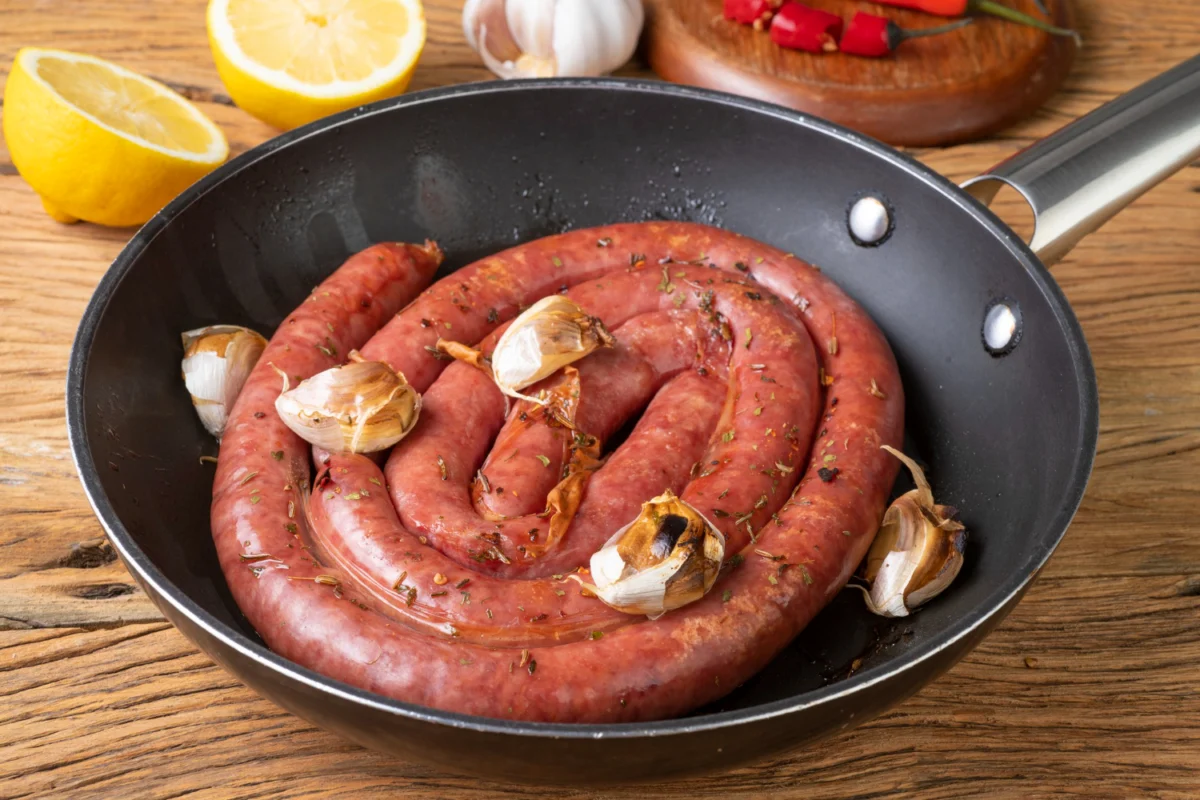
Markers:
{"x": 1008, "y": 440}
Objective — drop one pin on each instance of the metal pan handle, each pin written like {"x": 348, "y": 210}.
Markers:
{"x": 1081, "y": 175}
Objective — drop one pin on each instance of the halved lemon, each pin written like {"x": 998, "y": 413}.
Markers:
{"x": 99, "y": 142}
{"x": 289, "y": 62}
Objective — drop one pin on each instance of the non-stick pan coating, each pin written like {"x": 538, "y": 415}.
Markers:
{"x": 1008, "y": 440}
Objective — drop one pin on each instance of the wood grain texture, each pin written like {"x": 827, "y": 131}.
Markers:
{"x": 939, "y": 90}
{"x": 1087, "y": 690}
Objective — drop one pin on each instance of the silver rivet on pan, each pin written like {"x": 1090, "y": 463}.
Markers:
{"x": 1001, "y": 326}
{"x": 870, "y": 220}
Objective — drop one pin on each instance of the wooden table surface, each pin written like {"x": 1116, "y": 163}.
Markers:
{"x": 1089, "y": 688}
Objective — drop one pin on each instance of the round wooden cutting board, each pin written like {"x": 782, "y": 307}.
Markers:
{"x": 938, "y": 90}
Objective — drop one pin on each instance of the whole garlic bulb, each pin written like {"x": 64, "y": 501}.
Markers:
{"x": 360, "y": 407}
{"x": 548, "y": 38}
{"x": 216, "y": 362}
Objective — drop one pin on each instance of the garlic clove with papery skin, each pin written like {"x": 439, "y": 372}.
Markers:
{"x": 666, "y": 558}
{"x": 548, "y": 38}
{"x": 360, "y": 407}
{"x": 917, "y": 552}
{"x": 549, "y": 335}
{"x": 489, "y": 19}
{"x": 216, "y": 362}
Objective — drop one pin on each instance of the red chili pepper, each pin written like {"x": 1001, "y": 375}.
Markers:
{"x": 872, "y": 36}
{"x": 957, "y": 8}
{"x": 751, "y": 12}
{"x": 798, "y": 27}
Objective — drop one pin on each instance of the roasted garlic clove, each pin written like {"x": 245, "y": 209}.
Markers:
{"x": 666, "y": 558}
{"x": 360, "y": 407}
{"x": 917, "y": 552}
{"x": 216, "y": 362}
{"x": 548, "y": 335}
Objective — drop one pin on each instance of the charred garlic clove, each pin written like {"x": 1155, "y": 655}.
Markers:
{"x": 550, "y": 334}
{"x": 666, "y": 558}
{"x": 360, "y": 407}
{"x": 917, "y": 552}
{"x": 216, "y": 362}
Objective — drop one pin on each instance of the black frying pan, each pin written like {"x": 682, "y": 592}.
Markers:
{"x": 1005, "y": 414}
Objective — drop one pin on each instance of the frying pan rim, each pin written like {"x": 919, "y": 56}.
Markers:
{"x": 149, "y": 574}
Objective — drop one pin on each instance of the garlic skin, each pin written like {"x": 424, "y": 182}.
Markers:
{"x": 360, "y": 407}
{"x": 917, "y": 552}
{"x": 548, "y": 38}
{"x": 666, "y": 558}
{"x": 547, "y": 336}
{"x": 216, "y": 362}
